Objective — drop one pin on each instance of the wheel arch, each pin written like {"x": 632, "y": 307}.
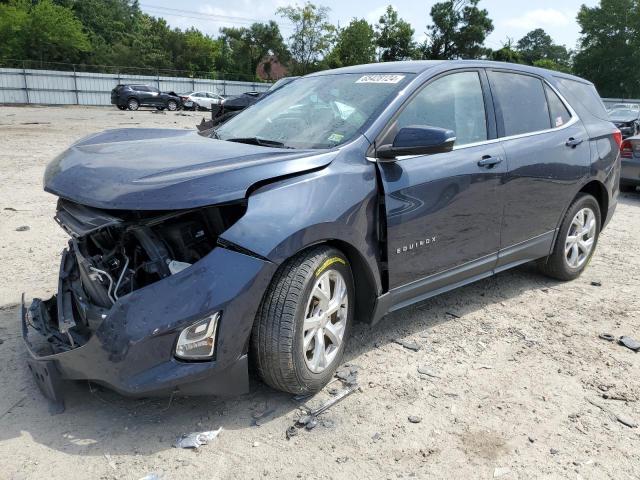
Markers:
{"x": 363, "y": 279}
{"x": 596, "y": 189}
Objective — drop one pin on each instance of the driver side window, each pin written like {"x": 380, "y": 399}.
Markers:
{"x": 454, "y": 102}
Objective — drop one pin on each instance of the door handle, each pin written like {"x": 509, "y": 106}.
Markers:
{"x": 489, "y": 162}
{"x": 573, "y": 142}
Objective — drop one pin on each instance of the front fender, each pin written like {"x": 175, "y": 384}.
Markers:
{"x": 337, "y": 203}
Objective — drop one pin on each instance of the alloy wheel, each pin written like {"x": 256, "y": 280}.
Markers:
{"x": 172, "y": 106}
{"x": 325, "y": 320}
{"x": 580, "y": 238}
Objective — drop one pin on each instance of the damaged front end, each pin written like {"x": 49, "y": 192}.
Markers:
{"x": 130, "y": 283}
{"x": 111, "y": 254}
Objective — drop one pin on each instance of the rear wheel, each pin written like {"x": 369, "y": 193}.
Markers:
{"x": 302, "y": 325}
{"x": 576, "y": 240}
{"x": 122, "y": 107}
{"x": 160, "y": 108}
{"x": 133, "y": 104}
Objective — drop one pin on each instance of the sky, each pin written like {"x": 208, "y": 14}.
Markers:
{"x": 511, "y": 18}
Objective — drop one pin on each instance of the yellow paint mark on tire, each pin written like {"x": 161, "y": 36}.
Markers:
{"x": 327, "y": 263}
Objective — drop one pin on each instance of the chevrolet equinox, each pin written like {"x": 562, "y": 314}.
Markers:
{"x": 344, "y": 196}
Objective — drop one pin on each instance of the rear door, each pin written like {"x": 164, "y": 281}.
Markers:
{"x": 547, "y": 152}
{"x": 444, "y": 211}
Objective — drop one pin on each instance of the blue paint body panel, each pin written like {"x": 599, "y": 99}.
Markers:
{"x": 411, "y": 228}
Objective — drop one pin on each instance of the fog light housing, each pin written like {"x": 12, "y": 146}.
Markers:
{"x": 198, "y": 341}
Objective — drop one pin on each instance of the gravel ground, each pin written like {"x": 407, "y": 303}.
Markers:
{"x": 508, "y": 365}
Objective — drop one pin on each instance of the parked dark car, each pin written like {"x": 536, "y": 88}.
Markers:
{"x": 627, "y": 120}
{"x": 630, "y": 153}
{"x": 132, "y": 97}
{"x": 347, "y": 195}
{"x": 240, "y": 102}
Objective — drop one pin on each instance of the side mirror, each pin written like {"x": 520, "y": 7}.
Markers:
{"x": 418, "y": 140}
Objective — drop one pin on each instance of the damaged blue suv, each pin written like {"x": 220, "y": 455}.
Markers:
{"x": 341, "y": 197}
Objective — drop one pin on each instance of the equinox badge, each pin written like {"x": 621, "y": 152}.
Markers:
{"x": 419, "y": 243}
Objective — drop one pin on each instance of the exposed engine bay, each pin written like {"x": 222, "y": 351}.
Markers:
{"x": 113, "y": 253}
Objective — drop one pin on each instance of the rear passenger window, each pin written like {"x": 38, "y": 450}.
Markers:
{"x": 522, "y": 101}
{"x": 454, "y": 102}
{"x": 559, "y": 113}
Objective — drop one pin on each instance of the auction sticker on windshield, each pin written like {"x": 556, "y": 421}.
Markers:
{"x": 380, "y": 78}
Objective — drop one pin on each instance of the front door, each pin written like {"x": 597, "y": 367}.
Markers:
{"x": 444, "y": 211}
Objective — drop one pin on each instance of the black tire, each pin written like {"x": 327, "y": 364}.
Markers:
{"x": 160, "y": 108}
{"x": 277, "y": 338}
{"x": 133, "y": 104}
{"x": 172, "y": 105}
{"x": 122, "y": 107}
{"x": 556, "y": 265}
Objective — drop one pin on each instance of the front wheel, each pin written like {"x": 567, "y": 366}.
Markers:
{"x": 302, "y": 325}
{"x": 172, "y": 105}
{"x": 576, "y": 240}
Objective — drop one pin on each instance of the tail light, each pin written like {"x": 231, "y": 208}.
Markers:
{"x": 617, "y": 136}
{"x": 626, "y": 149}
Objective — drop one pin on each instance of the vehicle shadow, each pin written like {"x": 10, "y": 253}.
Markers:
{"x": 97, "y": 420}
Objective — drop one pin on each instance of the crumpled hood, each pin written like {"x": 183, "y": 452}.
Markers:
{"x": 167, "y": 169}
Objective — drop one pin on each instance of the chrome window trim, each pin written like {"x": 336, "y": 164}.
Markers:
{"x": 574, "y": 119}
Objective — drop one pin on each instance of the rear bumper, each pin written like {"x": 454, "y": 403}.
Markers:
{"x": 630, "y": 173}
{"x": 132, "y": 350}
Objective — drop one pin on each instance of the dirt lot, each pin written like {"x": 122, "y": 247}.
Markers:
{"x": 511, "y": 359}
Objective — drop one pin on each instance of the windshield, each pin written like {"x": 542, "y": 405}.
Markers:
{"x": 626, "y": 113}
{"x": 315, "y": 112}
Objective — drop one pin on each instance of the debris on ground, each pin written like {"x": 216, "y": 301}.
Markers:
{"x": 197, "y": 439}
{"x": 595, "y": 283}
{"x": 630, "y": 343}
{"x": 408, "y": 344}
{"x": 501, "y": 471}
{"x": 291, "y": 432}
{"x": 606, "y": 336}
{"x": 10, "y": 209}
{"x": 554, "y": 451}
{"x": 414, "y": 419}
{"x": 23, "y": 228}
{"x": 159, "y": 112}
{"x": 310, "y": 419}
{"x": 348, "y": 374}
{"x": 427, "y": 372}
{"x": 451, "y": 314}
{"x": 259, "y": 418}
{"x": 623, "y": 419}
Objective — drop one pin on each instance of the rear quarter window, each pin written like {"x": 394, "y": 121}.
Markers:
{"x": 558, "y": 110}
{"x": 583, "y": 97}
{"x": 521, "y": 102}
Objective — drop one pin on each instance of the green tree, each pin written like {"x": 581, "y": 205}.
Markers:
{"x": 355, "y": 45}
{"x": 14, "y": 17}
{"x": 41, "y": 31}
{"x": 610, "y": 42}
{"x": 394, "y": 37}
{"x": 538, "y": 45}
{"x": 551, "y": 65}
{"x": 312, "y": 35}
{"x": 459, "y": 30}
{"x": 244, "y": 48}
{"x": 507, "y": 53}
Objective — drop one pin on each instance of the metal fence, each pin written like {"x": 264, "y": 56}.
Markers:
{"x": 610, "y": 102}
{"x": 54, "y": 87}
